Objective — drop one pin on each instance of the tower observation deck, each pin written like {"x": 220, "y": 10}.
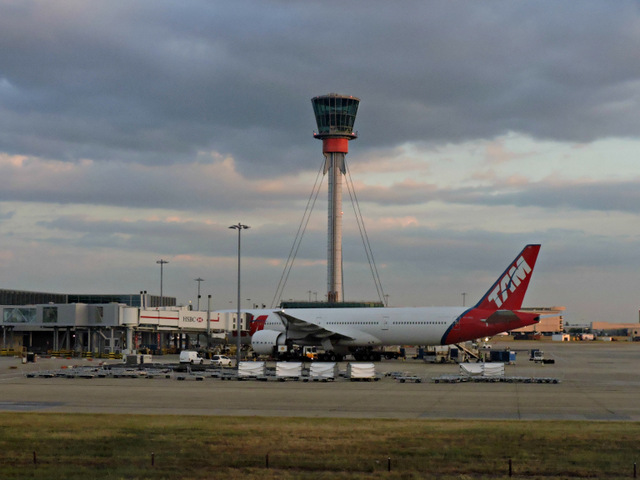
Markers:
{"x": 335, "y": 116}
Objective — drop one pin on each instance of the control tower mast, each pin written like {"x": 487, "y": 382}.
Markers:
{"x": 335, "y": 116}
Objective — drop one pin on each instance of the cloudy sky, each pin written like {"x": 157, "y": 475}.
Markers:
{"x": 132, "y": 131}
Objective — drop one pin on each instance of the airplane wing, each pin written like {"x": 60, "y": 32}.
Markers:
{"x": 301, "y": 328}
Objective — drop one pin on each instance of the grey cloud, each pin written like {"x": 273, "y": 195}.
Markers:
{"x": 191, "y": 188}
{"x": 154, "y": 82}
{"x": 7, "y": 215}
{"x": 178, "y": 238}
{"x": 623, "y": 196}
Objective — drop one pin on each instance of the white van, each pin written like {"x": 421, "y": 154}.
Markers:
{"x": 189, "y": 356}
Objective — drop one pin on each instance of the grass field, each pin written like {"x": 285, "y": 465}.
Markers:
{"x": 66, "y": 446}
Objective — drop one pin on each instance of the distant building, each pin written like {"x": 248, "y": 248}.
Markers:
{"x": 615, "y": 329}
{"x": 111, "y": 327}
{"x": 550, "y": 323}
{"x": 17, "y": 297}
{"x": 141, "y": 299}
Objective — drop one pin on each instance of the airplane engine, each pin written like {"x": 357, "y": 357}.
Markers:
{"x": 263, "y": 341}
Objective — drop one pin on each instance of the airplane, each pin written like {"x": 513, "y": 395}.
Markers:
{"x": 340, "y": 331}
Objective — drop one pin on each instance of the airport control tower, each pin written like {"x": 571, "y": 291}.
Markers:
{"x": 335, "y": 116}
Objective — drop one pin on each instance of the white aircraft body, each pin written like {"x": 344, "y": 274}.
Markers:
{"x": 340, "y": 330}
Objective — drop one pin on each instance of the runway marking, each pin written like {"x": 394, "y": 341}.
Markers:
{"x": 27, "y": 406}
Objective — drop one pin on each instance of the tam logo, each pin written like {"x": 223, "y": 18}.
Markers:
{"x": 516, "y": 274}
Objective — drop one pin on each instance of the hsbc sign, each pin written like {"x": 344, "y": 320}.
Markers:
{"x": 188, "y": 320}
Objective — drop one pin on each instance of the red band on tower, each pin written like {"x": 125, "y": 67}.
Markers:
{"x": 335, "y": 145}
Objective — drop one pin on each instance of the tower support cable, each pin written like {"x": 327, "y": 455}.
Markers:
{"x": 363, "y": 235}
{"x": 302, "y": 227}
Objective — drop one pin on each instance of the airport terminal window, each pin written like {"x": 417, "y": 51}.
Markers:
{"x": 50, "y": 315}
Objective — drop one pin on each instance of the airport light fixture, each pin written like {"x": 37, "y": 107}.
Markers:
{"x": 209, "y": 321}
{"x": 238, "y": 227}
{"x": 198, "y": 303}
{"x": 161, "y": 262}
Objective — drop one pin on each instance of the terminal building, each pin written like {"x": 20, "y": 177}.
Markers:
{"x": 103, "y": 325}
{"x": 99, "y": 325}
{"x": 20, "y": 297}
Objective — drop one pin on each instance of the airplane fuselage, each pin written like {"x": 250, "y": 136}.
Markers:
{"x": 340, "y": 328}
{"x": 369, "y": 327}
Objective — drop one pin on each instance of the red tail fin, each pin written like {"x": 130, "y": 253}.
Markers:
{"x": 508, "y": 291}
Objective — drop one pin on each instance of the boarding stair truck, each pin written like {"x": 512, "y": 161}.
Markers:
{"x": 468, "y": 352}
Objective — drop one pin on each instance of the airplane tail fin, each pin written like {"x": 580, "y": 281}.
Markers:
{"x": 507, "y": 293}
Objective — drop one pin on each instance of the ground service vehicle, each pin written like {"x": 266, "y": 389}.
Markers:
{"x": 220, "y": 361}
{"x": 189, "y": 356}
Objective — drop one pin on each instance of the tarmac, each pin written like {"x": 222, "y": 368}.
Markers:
{"x": 597, "y": 381}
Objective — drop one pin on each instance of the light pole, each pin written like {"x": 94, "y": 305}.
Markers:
{"x": 199, "y": 280}
{"x": 238, "y": 227}
{"x": 161, "y": 262}
{"x": 208, "y": 322}
{"x": 464, "y": 295}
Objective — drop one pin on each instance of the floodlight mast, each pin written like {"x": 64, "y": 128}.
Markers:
{"x": 335, "y": 115}
{"x": 162, "y": 262}
{"x": 238, "y": 227}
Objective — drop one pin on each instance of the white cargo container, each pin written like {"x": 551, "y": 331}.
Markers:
{"x": 361, "y": 371}
{"x": 323, "y": 371}
{"x": 251, "y": 370}
{"x": 285, "y": 370}
{"x": 493, "y": 369}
